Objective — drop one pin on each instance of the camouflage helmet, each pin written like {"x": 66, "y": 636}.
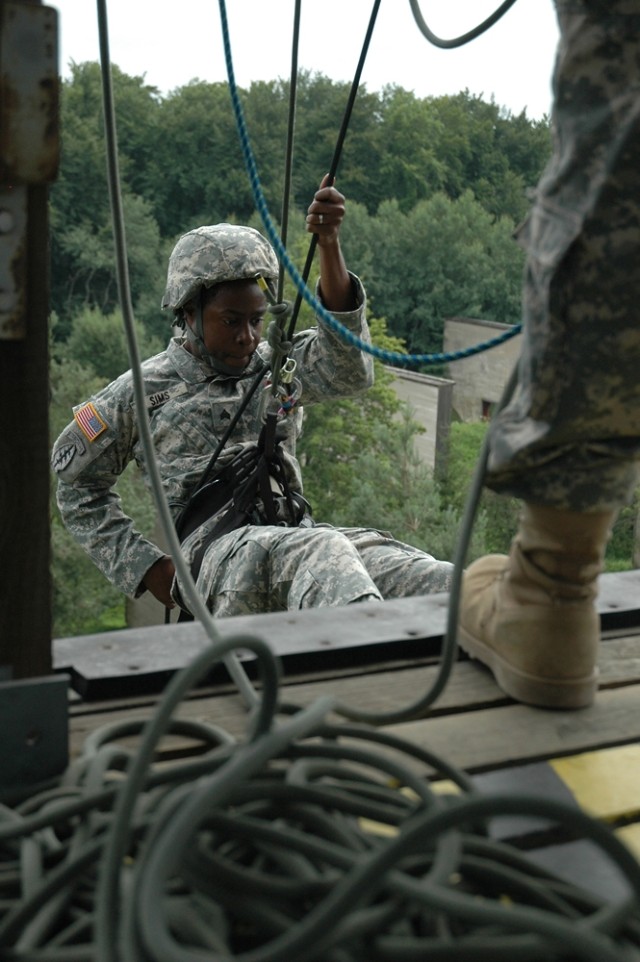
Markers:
{"x": 212, "y": 254}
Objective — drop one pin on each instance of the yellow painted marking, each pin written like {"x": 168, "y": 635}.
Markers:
{"x": 630, "y": 835}
{"x": 606, "y": 783}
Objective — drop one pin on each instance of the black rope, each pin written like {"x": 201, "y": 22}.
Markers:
{"x": 336, "y": 156}
{"x": 465, "y": 37}
{"x": 293, "y": 81}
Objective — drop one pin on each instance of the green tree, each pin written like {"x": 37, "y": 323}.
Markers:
{"x": 320, "y": 108}
{"x": 394, "y": 490}
{"x": 409, "y": 134}
{"x": 98, "y": 343}
{"x": 487, "y": 150}
{"x": 197, "y": 171}
{"x": 335, "y": 431}
{"x": 497, "y": 515}
{"x": 88, "y": 249}
{"x": 622, "y": 549}
{"x": 445, "y": 258}
{"x": 181, "y": 165}
{"x": 82, "y": 252}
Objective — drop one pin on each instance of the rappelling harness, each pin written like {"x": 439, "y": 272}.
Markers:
{"x": 253, "y": 487}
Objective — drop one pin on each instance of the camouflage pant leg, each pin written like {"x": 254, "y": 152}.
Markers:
{"x": 570, "y": 436}
{"x": 399, "y": 570}
{"x": 271, "y": 568}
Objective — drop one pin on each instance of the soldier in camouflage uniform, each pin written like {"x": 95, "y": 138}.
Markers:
{"x": 193, "y": 390}
{"x": 568, "y": 442}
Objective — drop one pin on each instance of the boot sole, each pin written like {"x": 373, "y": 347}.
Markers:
{"x": 531, "y": 689}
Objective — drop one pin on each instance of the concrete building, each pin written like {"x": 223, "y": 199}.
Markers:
{"x": 430, "y": 399}
{"x": 479, "y": 380}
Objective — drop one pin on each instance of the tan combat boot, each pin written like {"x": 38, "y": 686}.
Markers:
{"x": 531, "y": 616}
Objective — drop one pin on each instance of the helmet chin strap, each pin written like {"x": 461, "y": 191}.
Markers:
{"x": 198, "y": 333}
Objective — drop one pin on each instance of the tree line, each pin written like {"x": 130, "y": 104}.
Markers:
{"x": 435, "y": 188}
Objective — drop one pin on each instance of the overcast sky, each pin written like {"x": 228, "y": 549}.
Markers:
{"x": 173, "y": 43}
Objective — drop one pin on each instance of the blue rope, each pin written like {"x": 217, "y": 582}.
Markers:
{"x": 389, "y": 357}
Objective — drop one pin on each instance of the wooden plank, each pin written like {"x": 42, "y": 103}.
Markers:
{"x": 505, "y": 747}
{"x": 605, "y": 783}
{"x": 403, "y": 627}
{"x": 516, "y": 733}
{"x": 469, "y": 702}
{"x": 139, "y": 659}
{"x": 470, "y": 686}
{"x": 403, "y": 680}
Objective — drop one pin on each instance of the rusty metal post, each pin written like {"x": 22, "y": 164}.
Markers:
{"x": 29, "y": 94}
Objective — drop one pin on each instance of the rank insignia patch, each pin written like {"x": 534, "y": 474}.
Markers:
{"x": 89, "y": 422}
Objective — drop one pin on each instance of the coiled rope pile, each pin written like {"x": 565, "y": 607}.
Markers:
{"x": 309, "y": 841}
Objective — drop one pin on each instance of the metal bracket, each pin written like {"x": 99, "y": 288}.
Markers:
{"x": 35, "y": 732}
{"x": 29, "y": 142}
{"x": 29, "y": 94}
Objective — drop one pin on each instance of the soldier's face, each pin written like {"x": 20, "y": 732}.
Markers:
{"x": 232, "y": 322}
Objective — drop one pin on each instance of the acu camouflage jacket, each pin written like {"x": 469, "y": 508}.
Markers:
{"x": 189, "y": 407}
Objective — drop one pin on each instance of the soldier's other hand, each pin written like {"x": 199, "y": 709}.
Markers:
{"x": 326, "y": 213}
{"x": 158, "y": 581}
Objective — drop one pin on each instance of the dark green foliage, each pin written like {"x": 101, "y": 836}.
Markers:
{"x": 337, "y": 431}
{"x": 392, "y": 490}
{"x": 98, "y": 342}
{"x": 497, "y": 516}
{"x": 623, "y": 551}
{"x": 484, "y": 149}
{"x": 445, "y": 258}
{"x": 181, "y": 165}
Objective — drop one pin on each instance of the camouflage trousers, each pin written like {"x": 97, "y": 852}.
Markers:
{"x": 570, "y": 436}
{"x": 272, "y": 568}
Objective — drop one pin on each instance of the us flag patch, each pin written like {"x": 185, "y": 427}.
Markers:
{"x": 90, "y": 422}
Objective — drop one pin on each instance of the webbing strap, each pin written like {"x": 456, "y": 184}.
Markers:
{"x": 235, "y": 495}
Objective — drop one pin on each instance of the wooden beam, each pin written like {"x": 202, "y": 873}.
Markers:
{"x": 28, "y": 162}
{"x": 115, "y": 663}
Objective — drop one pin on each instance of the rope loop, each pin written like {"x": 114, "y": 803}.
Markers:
{"x": 465, "y": 37}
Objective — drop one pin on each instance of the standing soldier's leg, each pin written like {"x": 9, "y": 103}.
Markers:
{"x": 568, "y": 442}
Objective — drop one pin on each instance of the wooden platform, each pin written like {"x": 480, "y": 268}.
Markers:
{"x": 380, "y": 658}
{"x": 267, "y": 816}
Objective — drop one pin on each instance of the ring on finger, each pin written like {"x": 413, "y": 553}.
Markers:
{"x": 321, "y": 218}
